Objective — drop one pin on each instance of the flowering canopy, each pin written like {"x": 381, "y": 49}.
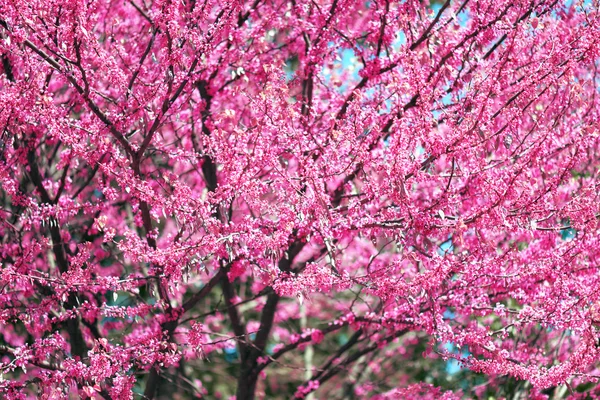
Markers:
{"x": 275, "y": 198}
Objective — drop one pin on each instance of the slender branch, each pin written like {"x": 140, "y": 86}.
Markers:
{"x": 351, "y": 342}
{"x": 425, "y": 34}
{"x": 91, "y": 104}
{"x": 293, "y": 346}
{"x": 142, "y": 59}
{"x": 352, "y": 358}
{"x": 206, "y": 289}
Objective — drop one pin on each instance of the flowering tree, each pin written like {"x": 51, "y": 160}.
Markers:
{"x": 277, "y": 199}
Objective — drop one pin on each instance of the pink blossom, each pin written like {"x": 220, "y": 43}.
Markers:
{"x": 246, "y": 197}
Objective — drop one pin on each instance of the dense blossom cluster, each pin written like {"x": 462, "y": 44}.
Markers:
{"x": 285, "y": 198}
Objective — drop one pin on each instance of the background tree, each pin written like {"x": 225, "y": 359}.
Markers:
{"x": 277, "y": 199}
